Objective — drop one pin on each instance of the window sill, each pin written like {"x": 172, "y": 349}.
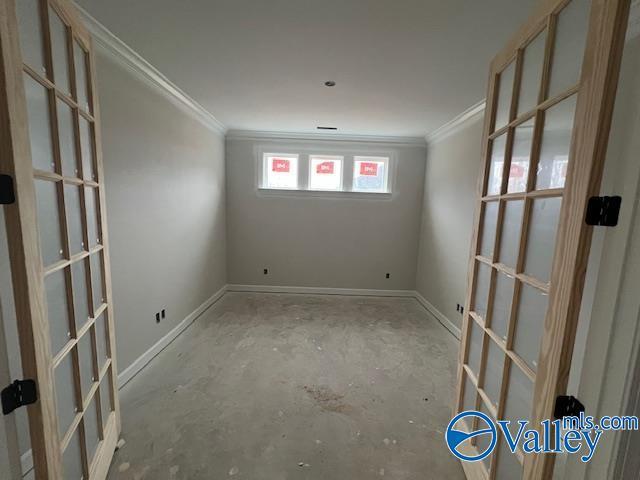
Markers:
{"x": 276, "y": 192}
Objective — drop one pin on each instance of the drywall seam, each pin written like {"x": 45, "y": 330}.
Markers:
{"x": 377, "y": 139}
{"x": 320, "y": 290}
{"x": 453, "y": 126}
{"x": 126, "y": 56}
{"x": 149, "y": 355}
{"x": 439, "y": 316}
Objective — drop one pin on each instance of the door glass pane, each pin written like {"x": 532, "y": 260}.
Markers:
{"x": 48, "y": 221}
{"x": 481, "y": 296}
{"x": 102, "y": 339}
{"x": 520, "y": 158}
{"x": 88, "y": 171}
{"x": 67, "y": 142}
{"x": 475, "y": 347}
{"x": 72, "y": 459}
{"x": 65, "y": 394}
{"x": 81, "y": 75}
{"x": 91, "y": 201}
{"x": 74, "y": 218}
{"x": 39, "y": 125}
{"x": 519, "y": 400}
{"x": 30, "y": 28}
{"x": 510, "y": 235}
{"x": 80, "y": 301}
{"x": 484, "y": 441}
{"x": 86, "y": 364}
{"x": 542, "y": 237}
{"x": 490, "y": 221}
{"x": 493, "y": 372}
{"x": 494, "y": 183}
{"x": 571, "y": 37}
{"x": 97, "y": 283}
{"x": 504, "y": 96}
{"x": 502, "y": 304}
{"x": 57, "y": 310}
{"x": 556, "y": 143}
{"x": 530, "y": 324}
{"x": 533, "y": 60}
{"x": 509, "y": 467}
{"x": 59, "y": 45}
{"x": 105, "y": 399}
{"x": 91, "y": 430}
{"x": 469, "y": 397}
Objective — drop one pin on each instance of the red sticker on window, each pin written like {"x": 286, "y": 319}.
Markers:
{"x": 325, "y": 167}
{"x": 281, "y": 165}
{"x": 367, "y": 168}
{"x": 516, "y": 171}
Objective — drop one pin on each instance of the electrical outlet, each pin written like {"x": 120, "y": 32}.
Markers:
{"x": 158, "y": 317}
{"x": 388, "y": 275}
{"x": 457, "y": 307}
{"x": 163, "y": 314}
{"x": 266, "y": 271}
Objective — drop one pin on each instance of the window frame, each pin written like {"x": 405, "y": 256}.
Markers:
{"x": 376, "y": 158}
{"x": 265, "y": 169}
{"x": 335, "y": 158}
{"x": 304, "y": 154}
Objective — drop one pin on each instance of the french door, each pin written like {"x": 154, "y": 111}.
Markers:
{"x": 57, "y": 236}
{"x": 549, "y": 105}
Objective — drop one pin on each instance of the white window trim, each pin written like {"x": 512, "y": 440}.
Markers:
{"x": 378, "y": 158}
{"x": 304, "y": 152}
{"x": 264, "y": 174}
{"x": 339, "y": 158}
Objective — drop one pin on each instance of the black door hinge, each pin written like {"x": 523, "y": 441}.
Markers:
{"x": 7, "y": 193}
{"x": 603, "y": 211}
{"x": 567, "y": 406}
{"x": 18, "y": 394}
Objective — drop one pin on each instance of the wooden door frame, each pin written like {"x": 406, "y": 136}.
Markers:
{"x": 24, "y": 242}
{"x": 595, "y": 101}
{"x": 24, "y": 250}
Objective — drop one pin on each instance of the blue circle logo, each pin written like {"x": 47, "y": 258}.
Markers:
{"x": 456, "y": 438}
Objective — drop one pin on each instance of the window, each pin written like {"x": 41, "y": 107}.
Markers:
{"x": 325, "y": 172}
{"x": 280, "y": 171}
{"x": 370, "y": 174}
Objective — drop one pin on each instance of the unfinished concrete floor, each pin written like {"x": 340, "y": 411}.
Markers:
{"x": 274, "y": 387}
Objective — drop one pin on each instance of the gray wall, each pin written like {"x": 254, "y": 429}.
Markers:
{"x": 453, "y": 165}
{"x": 165, "y": 206}
{"x": 341, "y": 241}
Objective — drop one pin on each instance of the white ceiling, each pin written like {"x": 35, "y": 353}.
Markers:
{"x": 402, "y": 67}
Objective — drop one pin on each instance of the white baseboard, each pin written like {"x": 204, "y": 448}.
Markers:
{"x": 365, "y": 292}
{"x": 442, "y": 319}
{"x": 131, "y": 371}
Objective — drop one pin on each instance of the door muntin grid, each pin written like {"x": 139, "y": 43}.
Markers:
{"x": 57, "y": 72}
{"x": 512, "y": 261}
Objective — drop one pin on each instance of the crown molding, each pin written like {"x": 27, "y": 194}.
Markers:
{"x": 127, "y": 57}
{"x": 457, "y": 123}
{"x": 324, "y": 137}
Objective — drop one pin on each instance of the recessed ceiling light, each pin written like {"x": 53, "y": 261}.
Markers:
{"x": 330, "y": 83}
